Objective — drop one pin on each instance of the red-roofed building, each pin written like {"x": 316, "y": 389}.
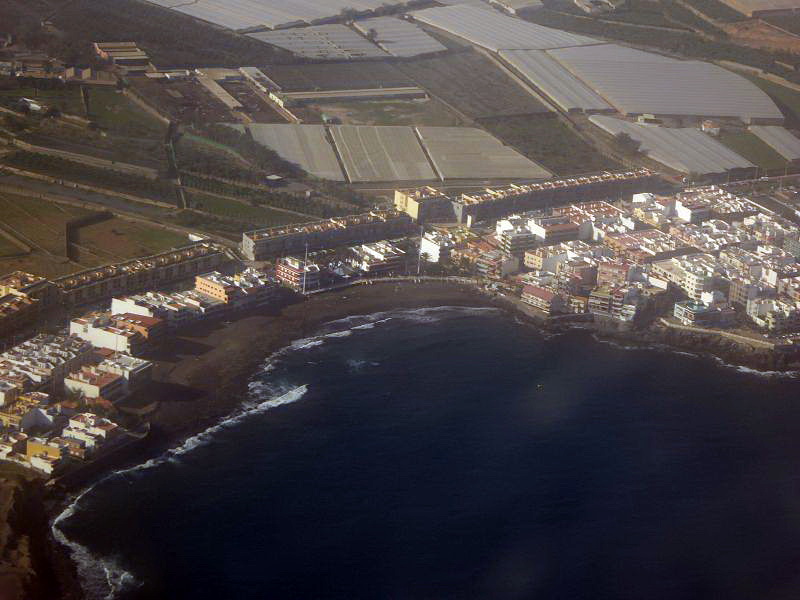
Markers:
{"x": 93, "y": 384}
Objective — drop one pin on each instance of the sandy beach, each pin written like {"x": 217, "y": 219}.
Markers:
{"x": 203, "y": 373}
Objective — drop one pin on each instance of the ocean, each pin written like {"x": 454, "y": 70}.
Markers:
{"x": 457, "y": 453}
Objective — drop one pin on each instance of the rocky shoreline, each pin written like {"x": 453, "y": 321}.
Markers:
{"x": 202, "y": 375}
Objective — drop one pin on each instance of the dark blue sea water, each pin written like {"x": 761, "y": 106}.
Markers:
{"x": 456, "y": 453}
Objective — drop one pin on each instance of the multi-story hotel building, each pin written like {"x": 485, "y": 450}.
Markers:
{"x": 320, "y": 235}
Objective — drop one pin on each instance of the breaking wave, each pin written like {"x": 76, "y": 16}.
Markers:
{"x": 102, "y": 578}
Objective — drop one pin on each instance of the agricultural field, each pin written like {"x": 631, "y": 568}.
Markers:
{"x": 68, "y": 170}
{"x": 115, "y": 113}
{"x": 8, "y": 248}
{"x": 147, "y": 150}
{"x": 750, "y": 147}
{"x": 200, "y": 155}
{"x": 472, "y": 85}
{"x": 169, "y": 37}
{"x": 716, "y": 10}
{"x": 258, "y": 109}
{"x": 429, "y": 112}
{"x": 255, "y": 216}
{"x": 38, "y": 223}
{"x": 549, "y": 142}
{"x": 787, "y": 99}
{"x": 337, "y": 76}
{"x": 119, "y": 239}
{"x": 320, "y": 207}
{"x": 41, "y": 225}
{"x": 183, "y": 101}
{"x": 790, "y": 23}
{"x": 65, "y": 97}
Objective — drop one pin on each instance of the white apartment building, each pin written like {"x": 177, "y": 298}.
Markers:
{"x": 435, "y": 246}
{"x": 694, "y": 274}
{"x": 135, "y": 371}
{"x": 774, "y": 315}
{"x": 97, "y": 330}
{"x": 44, "y": 361}
{"x": 93, "y": 383}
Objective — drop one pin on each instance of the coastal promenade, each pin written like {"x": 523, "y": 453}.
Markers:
{"x": 735, "y": 337}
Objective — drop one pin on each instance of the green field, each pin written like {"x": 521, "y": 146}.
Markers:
{"x": 119, "y": 239}
{"x": 66, "y": 98}
{"x": 8, "y": 248}
{"x": 391, "y": 112}
{"x": 256, "y": 215}
{"x": 749, "y": 146}
{"x": 117, "y": 114}
{"x": 68, "y": 170}
{"x": 551, "y": 143}
{"x": 786, "y": 98}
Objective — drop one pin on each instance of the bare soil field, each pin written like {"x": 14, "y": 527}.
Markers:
{"x": 183, "y": 101}
{"x": 472, "y": 85}
{"x": 259, "y": 110}
{"x": 760, "y": 34}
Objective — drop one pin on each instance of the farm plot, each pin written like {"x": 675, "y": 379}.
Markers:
{"x": 337, "y": 76}
{"x": 304, "y": 145}
{"x": 38, "y": 223}
{"x": 381, "y": 154}
{"x": 467, "y": 153}
{"x": 473, "y": 85}
{"x": 120, "y": 239}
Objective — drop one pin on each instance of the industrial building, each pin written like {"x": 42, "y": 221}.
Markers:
{"x": 319, "y": 235}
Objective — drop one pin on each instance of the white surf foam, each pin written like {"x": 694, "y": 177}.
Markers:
{"x": 102, "y": 578}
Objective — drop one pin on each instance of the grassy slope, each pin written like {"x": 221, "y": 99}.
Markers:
{"x": 752, "y": 148}
{"x": 787, "y": 98}
{"x": 551, "y": 143}
{"x": 256, "y": 215}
